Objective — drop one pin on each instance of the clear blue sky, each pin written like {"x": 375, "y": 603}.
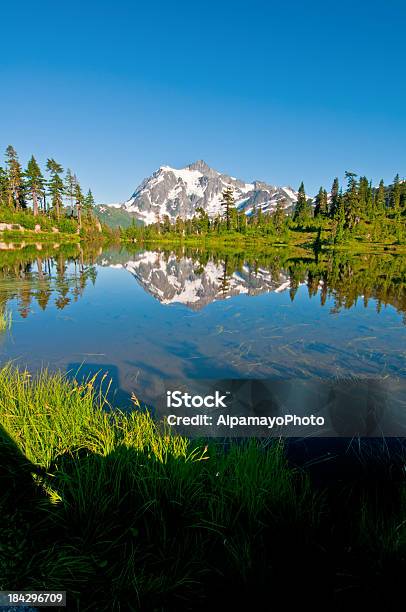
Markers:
{"x": 278, "y": 91}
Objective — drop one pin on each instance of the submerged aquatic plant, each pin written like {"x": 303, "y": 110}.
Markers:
{"x": 6, "y": 320}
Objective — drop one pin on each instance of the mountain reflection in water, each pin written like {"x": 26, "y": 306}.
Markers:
{"x": 186, "y": 281}
{"x": 147, "y": 315}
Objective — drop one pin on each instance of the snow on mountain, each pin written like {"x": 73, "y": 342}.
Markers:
{"x": 176, "y": 193}
{"x": 104, "y": 207}
{"x": 171, "y": 279}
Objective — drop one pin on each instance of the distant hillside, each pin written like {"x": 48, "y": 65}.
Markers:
{"x": 115, "y": 215}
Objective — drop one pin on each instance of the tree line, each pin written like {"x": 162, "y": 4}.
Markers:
{"x": 55, "y": 194}
{"x": 376, "y": 212}
{"x": 360, "y": 201}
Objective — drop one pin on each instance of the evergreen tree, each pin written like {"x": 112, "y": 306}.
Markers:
{"x": 380, "y": 203}
{"x": 166, "y": 224}
{"x": 89, "y": 204}
{"x": 351, "y": 201}
{"x": 34, "y": 184}
{"x": 259, "y": 218}
{"x": 4, "y": 187}
{"x": 403, "y": 197}
{"x": 395, "y": 195}
{"x": 363, "y": 194}
{"x": 228, "y": 203}
{"x": 15, "y": 179}
{"x": 56, "y": 187}
{"x": 179, "y": 226}
{"x": 242, "y": 221}
{"x": 70, "y": 186}
{"x": 279, "y": 216}
{"x": 334, "y": 201}
{"x": 370, "y": 202}
{"x": 79, "y": 201}
{"x": 325, "y": 203}
{"x": 302, "y": 209}
{"x": 321, "y": 203}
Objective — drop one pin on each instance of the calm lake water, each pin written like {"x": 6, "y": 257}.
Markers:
{"x": 143, "y": 316}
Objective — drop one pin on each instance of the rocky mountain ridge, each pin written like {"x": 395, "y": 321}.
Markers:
{"x": 180, "y": 192}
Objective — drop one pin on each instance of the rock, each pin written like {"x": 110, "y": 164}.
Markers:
{"x": 11, "y": 226}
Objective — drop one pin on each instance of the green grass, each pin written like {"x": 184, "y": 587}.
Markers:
{"x": 33, "y": 237}
{"x": 124, "y": 515}
{"x": 304, "y": 240}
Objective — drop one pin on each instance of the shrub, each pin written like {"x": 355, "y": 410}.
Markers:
{"x": 68, "y": 226}
{"x": 25, "y": 218}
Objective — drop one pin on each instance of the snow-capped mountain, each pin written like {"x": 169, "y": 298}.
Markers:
{"x": 180, "y": 192}
{"x": 171, "y": 279}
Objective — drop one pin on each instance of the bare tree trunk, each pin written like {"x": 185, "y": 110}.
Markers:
{"x": 35, "y": 204}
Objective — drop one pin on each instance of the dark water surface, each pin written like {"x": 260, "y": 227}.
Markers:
{"x": 143, "y": 316}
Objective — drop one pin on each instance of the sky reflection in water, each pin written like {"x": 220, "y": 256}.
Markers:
{"x": 144, "y": 316}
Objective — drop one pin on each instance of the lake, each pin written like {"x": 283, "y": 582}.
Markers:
{"x": 146, "y": 315}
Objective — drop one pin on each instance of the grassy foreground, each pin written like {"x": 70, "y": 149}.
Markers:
{"x": 125, "y": 516}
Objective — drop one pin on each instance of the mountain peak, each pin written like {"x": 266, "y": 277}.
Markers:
{"x": 173, "y": 193}
{"x": 200, "y": 165}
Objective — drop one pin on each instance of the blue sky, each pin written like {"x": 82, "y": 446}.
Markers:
{"x": 278, "y": 91}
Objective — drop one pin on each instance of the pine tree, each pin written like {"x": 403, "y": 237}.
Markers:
{"x": 351, "y": 201}
{"x": 4, "y": 187}
{"x": 34, "y": 184}
{"x": 70, "y": 184}
{"x": 370, "y": 202}
{"x": 56, "y": 187}
{"x": 228, "y": 203}
{"x": 403, "y": 197}
{"x": 334, "y": 201}
{"x": 179, "y": 226}
{"x": 279, "y": 216}
{"x": 395, "y": 195}
{"x": 363, "y": 192}
{"x": 166, "y": 224}
{"x": 302, "y": 208}
{"x": 89, "y": 204}
{"x": 325, "y": 203}
{"x": 15, "y": 179}
{"x": 380, "y": 203}
{"x": 79, "y": 201}
{"x": 260, "y": 220}
{"x": 321, "y": 203}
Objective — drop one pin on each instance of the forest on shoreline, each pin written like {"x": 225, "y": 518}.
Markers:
{"x": 43, "y": 206}
{"x": 359, "y": 214}
{"x": 37, "y": 206}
